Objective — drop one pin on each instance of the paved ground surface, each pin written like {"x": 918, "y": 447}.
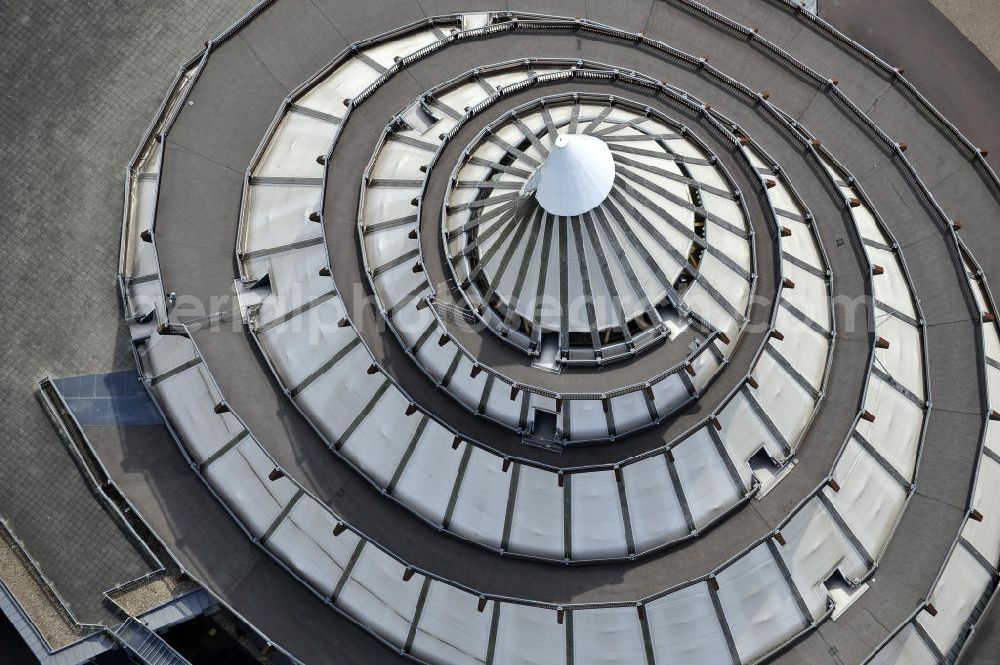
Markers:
{"x": 979, "y": 20}
{"x": 80, "y": 84}
{"x": 71, "y": 117}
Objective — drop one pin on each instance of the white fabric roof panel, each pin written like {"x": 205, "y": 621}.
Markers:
{"x": 378, "y": 597}
{"x": 891, "y": 287}
{"x": 411, "y": 323}
{"x": 758, "y": 604}
{"x": 993, "y": 436}
{"x": 528, "y": 635}
{"x": 304, "y": 540}
{"x": 188, "y": 399}
{"x": 295, "y": 280}
{"x": 993, "y": 386}
{"x": 482, "y": 500}
{"x": 279, "y": 214}
{"x": 426, "y": 483}
{"x": 607, "y": 636}
{"x": 344, "y": 83}
{"x": 734, "y": 288}
{"x": 735, "y": 247}
{"x": 803, "y": 347}
{"x": 648, "y": 282}
{"x": 906, "y": 648}
{"x": 708, "y": 488}
{"x": 587, "y": 419}
{"x": 292, "y": 151}
{"x": 904, "y": 359}
{"x": 781, "y": 196}
{"x": 803, "y": 296}
{"x": 241, "y": 477}
{"x": 337, "y": 396}
{"x": 162, "y": 353}
{"x": 960, "y": 587}
{"x": 385, "y": 203}
{"x": 685, "y": 629}
{"x": 537, "y": 515}
{"x": 708, "y": 175}
{"x": 782, "y": 398}
{"x": 499, "y": 405}
{"x": 463, "y": 386}
{"x": 451, "y": 631}
{"x": 869, "y": 500}
{"x": 865, "y": 222}
{"x": 383, "y": 246}
{"x": 142, "y": 254}
{"x": 655, "y": 512}
{"x": 301, "y": 345}
{"x": 385, "y": 52}
{"x": 727, "y": 210}
{"x": 991, "y": 341}
{"x": 895, "y": 433}
{"x": 463, "y": 96}
{"x": 814, "y": 548}
{"x": 379, "y": 441}
{"x": 705, "y": 366}
{"x": 985, "y": 535}
{"x": 802, "y": 243}
{"x": 701, "y": 301}
{"x": 630, "y": 411}
{"x": 436, "y": 359}
{"x": 744, "y": 434}
{"x": 669, "y": 393}
{"x": 402, "y": 161}
{"x": 597, "y": 524}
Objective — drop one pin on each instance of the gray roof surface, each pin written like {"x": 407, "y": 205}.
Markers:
{"x": 209, "y": 149}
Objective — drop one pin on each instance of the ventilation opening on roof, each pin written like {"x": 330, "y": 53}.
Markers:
{"x": 640, "y": 323}
{"x": 419, "y": 116}
{"x": 842, "y": 593}
{"x": 580, "y": 340}
{"x": 545, "y": 425}
{"x": 548, "y": 353}
{"x": 611, "y": 336}
{"x": 667, "y": 311}
{"x": 250, "y": 295}
{"x": 766, "y": 472}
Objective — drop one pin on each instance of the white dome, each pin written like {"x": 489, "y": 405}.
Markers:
{"x": 576, "y": 177}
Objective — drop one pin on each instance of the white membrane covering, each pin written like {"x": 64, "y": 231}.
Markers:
{"x": 960, "y": 587}
{"x": 529, "y": 636}
{"x": 758, "y": 604}
{"x": 756, "y": 599}
{"x": 241, "y": 477}
{"x": 708, "y": 488}
{"x": 305, "y": 540}
{"x": 537, "y": 520}
{"x": 607, "y": 635}
{"x": 598, "y": 526}
{"x": 870, "y": 500}
{"x": 451, "y": 630}
{"x": 377, "y": 595}
{"x": 655, "y": 511}
{"x": 479, "y": 515}
{"x": 685, "y": 628}
{"x": 625, "y": 249}
{"x": 815, "y": 548}
{"x": 906, "y": 648}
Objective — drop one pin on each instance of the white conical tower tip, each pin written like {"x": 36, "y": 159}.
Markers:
{"x": 576, "y": 177}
